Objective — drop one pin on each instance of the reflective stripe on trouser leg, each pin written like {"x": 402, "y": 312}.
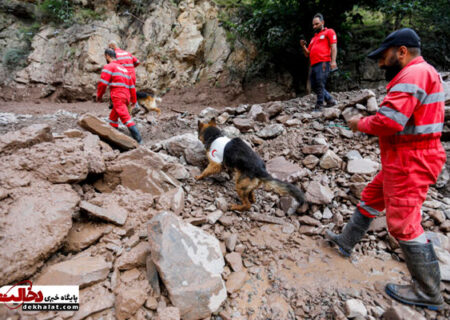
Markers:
{"x": 120, "y": 106}
{"x": 372, "y": 197}
{"x": 408, "y": 174}
{"x": 113, "y": 119}
{"x": 420, "y": 239}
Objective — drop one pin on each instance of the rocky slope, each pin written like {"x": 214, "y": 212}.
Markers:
{"x": 178, "y": 43}
{"x": 137, "y": 230}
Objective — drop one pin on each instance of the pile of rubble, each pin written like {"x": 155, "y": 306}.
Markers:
{"x": 137, "y": 230}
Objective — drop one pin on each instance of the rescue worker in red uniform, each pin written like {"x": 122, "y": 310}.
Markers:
{"x": 322, "y": 52}
{"x": 122, "y": 92}
{"x": 408, "y": 123}
{"x": 126, "y": 59}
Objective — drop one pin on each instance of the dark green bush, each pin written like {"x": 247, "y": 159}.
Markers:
{"x": 56, "y": 11}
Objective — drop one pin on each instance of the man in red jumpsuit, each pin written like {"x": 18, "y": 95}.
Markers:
{"x": 409, "y": 125}
{"x": 122, "y": 93}
{"x": 126, "y": 59}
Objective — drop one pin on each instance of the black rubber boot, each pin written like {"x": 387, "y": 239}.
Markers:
{"x": 135, "y": 134}
{"x": 424, "y": 291}
{"x": 353, "y": 232}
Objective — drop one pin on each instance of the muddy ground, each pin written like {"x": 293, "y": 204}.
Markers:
{"x": 290, "y": 274}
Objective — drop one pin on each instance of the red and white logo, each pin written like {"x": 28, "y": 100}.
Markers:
{"x": 40, "y": 298}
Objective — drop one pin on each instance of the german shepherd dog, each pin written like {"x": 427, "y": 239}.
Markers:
{"x": 249, "y": 169}
{"x": 148, "y": 101}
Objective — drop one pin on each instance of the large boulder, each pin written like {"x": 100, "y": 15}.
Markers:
{"x": 25, "y": 137}
{"x": 61, "y": 161}
{"x": 195, "y": 286}
{"x": 35, "y": 226}
{"x": 106, "y": 132}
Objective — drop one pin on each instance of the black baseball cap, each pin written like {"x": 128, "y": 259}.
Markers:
{"x": 402, "y": 37}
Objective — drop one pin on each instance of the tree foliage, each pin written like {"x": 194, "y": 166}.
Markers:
{"x": 276, "y": 26}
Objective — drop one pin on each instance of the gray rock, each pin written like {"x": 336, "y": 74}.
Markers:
{"x": 223, "y": 118}
{"x": 399, "y": 312}
{"x": 38, "y": 223}
{"x": 195, "y": 286}
{"x": 257, "y": 113}
{"x": 317, "y": 149}
{"x": 353, "y": 155}
{"x": 310, "y": 161}
{"x": 242, "y": 108}
{"x": 443, "y": 178}
{"x": 274, "y": 108}
{"x": 83, "y": 272}
{"x": 271, "y": 131}
{"x": 285, "y": 170}
{"x": 372, "y": 105}
{"x": 354, "y": 308}
{"x": 350, "y": 113}
{"x": 106, "y": 132}
{"x": 331, "y": 113}
{"x": 362, "y": 166}
{"x": 319, "y": 194}
{"x": 208, "y": 113}
{"x": 231, "y": 132}
{"x": 25, "y": 137}
{"x": 112, "y": 212}
{"x": 346, "y": 133}
{"x": 188, "y": 146}
{"x": 244, "y": 125}
{"x": 327, "y": 214}
{"x": 330, "y": 160}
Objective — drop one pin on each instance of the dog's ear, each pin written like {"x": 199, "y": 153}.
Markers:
{"x": 212, "y": 122}
{"x": 200, "y": 125}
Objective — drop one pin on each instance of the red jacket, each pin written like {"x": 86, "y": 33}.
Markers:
{"x": 127, "y": 60}
{"x": 119, "y": 81}
{"x": 412, "y": 113}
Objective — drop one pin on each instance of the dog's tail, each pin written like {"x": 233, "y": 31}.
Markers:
{"x": 283, "y": 188}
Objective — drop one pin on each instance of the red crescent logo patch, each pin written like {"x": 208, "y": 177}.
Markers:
{"x": 212, "y": 152}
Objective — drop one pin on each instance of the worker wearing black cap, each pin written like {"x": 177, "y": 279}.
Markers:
{"x": 409, "y": 124}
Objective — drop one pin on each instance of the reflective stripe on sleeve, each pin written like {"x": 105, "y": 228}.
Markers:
{"x": 394, "y": 115}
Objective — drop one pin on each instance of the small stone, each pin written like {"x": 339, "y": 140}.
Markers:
{"x": 437, "y": 215}
{"x": 354, "y": 308}
{"x": 151, "y": 303}
{"x": 230, "y": 242}
{"x": 234, "y": 259}
{"x": 310, "y": 161}
{"x": 236, "y": 281}
{"x": 330, "y": 160}
{"x": 271, "y": 131}
{"x": 327, "y": 214}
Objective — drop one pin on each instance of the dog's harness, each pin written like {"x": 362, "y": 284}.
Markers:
{"x": 217, "y": 148}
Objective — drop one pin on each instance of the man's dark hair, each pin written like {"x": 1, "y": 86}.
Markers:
{"x": 415, "y": 51}
{"x": 318, "y": 15}
{"x": 111, "y": 53}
